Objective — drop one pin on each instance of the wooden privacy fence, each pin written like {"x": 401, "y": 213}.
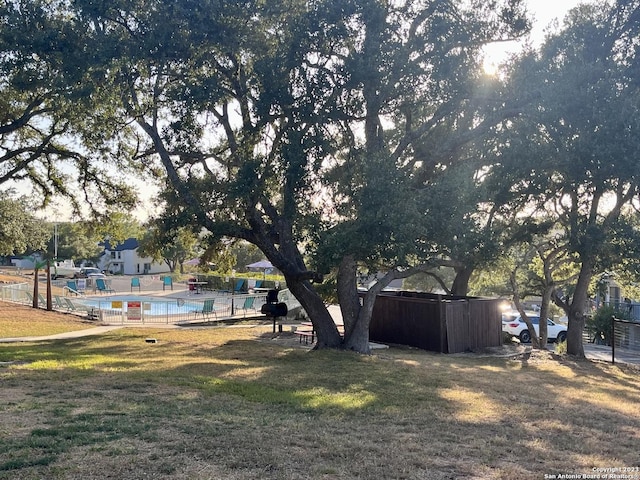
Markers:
{"x": 438, "y": 323}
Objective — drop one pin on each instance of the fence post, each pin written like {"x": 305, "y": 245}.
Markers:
{"x": 613, "y": 340}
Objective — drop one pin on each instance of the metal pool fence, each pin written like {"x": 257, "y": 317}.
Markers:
{"x": 140, "y": 309}
{"x": 15, "y": 292}
{"x": 131, "y": 309}
{"x": 625, "y": 336}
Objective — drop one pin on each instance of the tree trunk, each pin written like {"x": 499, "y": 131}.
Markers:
{"x": 460, "y": 284}
{"x": 326, "y": 330}
{"x": 356, "y": 313}
{"x": 358, "y": 340}
{"x": 348, "y": 294}
{"x": 574, "y": 332}
{"x": 544, "y": 314}
{"x": 49, "y": 299}
{"x": 356, "y": 317}
{"x": 535, "y": 340}
{"x": 548, "y": 289}
{"x": 35, "y": 287}
{"x": 575, "y": 311}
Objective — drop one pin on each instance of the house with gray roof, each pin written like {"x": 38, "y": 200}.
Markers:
{"x": 123, "y": 259}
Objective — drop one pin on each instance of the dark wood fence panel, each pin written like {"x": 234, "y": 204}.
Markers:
{"x": 408, "y": 321}
{"x": 457, "y": 320}
{"x": 486, "y": 323}
{"x": 437, "y": 323}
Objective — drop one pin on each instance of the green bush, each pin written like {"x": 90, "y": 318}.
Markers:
{"x": 599, "y": 325}
{"x": 507, "y": 338}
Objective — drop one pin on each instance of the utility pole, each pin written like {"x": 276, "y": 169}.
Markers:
{"x": 55, "y": 241}
{"x": 49, "y": 300}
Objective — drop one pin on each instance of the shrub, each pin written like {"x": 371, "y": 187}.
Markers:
{"x": 507, "y": 338}
{"x": 599, "y": 325}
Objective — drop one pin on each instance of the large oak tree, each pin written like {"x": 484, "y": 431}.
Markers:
{"x": 293, "y": 124}
{"x": 52, "y": 131}
{"x": 575, "y": 150}
{"x": 20, "y": 231}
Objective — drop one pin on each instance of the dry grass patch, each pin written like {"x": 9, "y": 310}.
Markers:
{"x": 24, "y": 321}
{"x": 235, "y": 403}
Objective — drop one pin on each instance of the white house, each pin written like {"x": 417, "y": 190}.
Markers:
{"x": 123, "y": 259}
{"x": 26, "y": 262}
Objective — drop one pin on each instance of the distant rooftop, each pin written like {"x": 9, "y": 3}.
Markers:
{"x": 128, "y": 244}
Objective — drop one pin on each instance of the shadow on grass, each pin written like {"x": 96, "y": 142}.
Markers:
{"x": 250, "y": 404}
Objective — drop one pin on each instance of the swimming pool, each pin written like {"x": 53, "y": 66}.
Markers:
{"x": 152, "y": 306}
{"x": 140, "y": 308}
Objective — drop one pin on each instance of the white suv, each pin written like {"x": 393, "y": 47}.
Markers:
{"x": 555, "y": 331}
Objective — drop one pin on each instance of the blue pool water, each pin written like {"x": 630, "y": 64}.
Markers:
{"x": 149, "y": 305}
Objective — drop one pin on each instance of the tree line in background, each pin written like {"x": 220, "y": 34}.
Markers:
{"x": 341, "y": 139}
{"x": 23, "y": 234}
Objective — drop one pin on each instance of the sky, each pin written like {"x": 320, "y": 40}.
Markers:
{"x": 543, "y": 12}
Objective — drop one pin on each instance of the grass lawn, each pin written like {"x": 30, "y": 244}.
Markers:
{"x": 233, "y": 403}
{"x": 22, "y": 320}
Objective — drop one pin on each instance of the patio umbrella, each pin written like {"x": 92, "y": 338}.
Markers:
{"x": 263, "y": 265}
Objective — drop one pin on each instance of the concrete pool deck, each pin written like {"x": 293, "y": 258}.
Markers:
{"x": 592, "y": 352}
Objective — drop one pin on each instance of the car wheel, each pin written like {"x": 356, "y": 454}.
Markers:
{"x": 525, "y": 336}
{"x": 562, "y": 336}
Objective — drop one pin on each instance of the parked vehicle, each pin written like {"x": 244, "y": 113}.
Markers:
{"x": 89, "y": 272}
{"x": 511, "y": 315}
{"x": 64, "y": 268}
{"x": 518, "y": 328}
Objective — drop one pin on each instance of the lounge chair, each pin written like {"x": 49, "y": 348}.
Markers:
{"x": 69, "y": 306}
{"x": 239, "y": 286}
{"x": 72, "y": 286}
{"x": 103, "y": 287}
{"x": 41, "y": 303}
{"x": 72, "y": 307}
{"x": 249, "y": 304}
{"x": 207, "y": 309}
{"x": 135, "y": 282}
{"x": 167, "y": 282}
{"x": 60, "y": 304}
